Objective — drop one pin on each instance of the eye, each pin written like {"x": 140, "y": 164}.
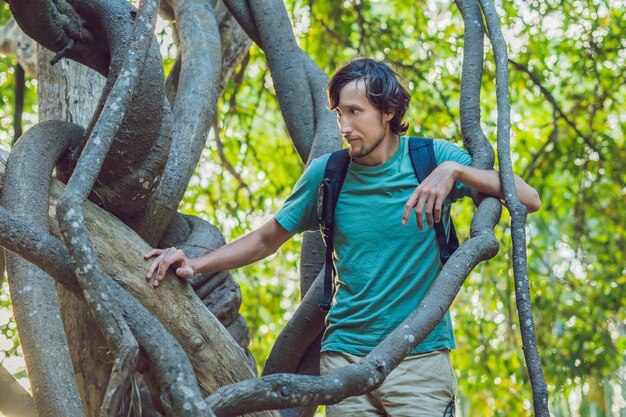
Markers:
{"x": 354, "y": 111}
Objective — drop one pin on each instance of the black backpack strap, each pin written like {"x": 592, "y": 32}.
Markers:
{"x": 422, "y": 154}
{"x": 327, "y": 196}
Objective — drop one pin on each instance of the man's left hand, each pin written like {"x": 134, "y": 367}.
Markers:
{"x": 429, "y": 196}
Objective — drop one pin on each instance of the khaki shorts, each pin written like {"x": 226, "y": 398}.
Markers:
{"x": 421, "y": 386}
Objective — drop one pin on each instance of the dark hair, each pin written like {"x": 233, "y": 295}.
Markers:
{"x": 384, "y": 88}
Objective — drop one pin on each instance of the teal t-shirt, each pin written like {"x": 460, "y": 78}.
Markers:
{"x": 384, "y": 268}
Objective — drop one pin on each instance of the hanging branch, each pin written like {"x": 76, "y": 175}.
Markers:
{"x": 194, "y": 111}
{"x": 226, "y": 163}
{"x": 518, "y": 215}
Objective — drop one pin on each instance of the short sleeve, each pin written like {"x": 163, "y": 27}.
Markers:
{"x": 447, "y": 151}
{"x": 299, "y": 213}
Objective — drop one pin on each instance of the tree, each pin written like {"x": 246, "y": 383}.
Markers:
{"x": 269, "y": 42}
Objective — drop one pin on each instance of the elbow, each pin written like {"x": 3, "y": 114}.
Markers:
{"x": 265, "y": 248}
{"x": 268, "y": 250}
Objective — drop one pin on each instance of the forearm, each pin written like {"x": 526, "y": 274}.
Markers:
{"x": 256, "y": 245}
{"x": 488, "y": 182}
{"x": 241, "y": 252}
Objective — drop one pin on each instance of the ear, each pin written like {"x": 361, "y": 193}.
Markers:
{"x": 388, "y": 116}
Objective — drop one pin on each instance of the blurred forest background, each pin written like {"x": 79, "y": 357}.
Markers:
{"x": 568, "y": 92}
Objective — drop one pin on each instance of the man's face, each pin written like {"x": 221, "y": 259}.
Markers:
{"x": 363, "y": 126}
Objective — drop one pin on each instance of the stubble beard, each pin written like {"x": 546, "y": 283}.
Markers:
{"x": 364, "y": 151}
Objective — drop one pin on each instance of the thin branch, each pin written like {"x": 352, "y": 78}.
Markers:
{"x": 18, "y": 102}
{"x": 225, "y": 162}
{"x": 358, "y": 8}
{"x": 548, "y": 95}
{"x": 435, "y": 86}
{"x": 238, "y": 81}
{"x": 518, "y": 214}
{"x": 545, "y": 149}
{"x": 328, "y": 30}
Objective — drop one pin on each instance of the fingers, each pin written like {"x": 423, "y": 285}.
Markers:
{"x": 166, "y": 258}
{"x": 419, "y": 213}
{"x": 409, "y": 206}
{"x": 423, "y": 202}
{"x": 437, "y": 210}
{"x": 416, "y": 202}
{"x": 155, "y": 264}
{"x": 152, "y": 253}
{"x": 185, "y": 272}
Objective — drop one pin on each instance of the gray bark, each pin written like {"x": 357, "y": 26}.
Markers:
{"x": 216, "y": 358}
{"x": 33, "y": 294}
{"x": 219, "y": 293}
{"x": 193, "y": 112}
{"x": 58, "y": 27}
{"x": 97, "y": 287}
{"x": 518, "y": 215}
{"x": 129, "y": 174}
{"x": 69, "y": 91}
{"x": 2, "y": 267}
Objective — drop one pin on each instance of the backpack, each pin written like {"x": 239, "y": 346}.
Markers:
{"x": 422, "y": 154}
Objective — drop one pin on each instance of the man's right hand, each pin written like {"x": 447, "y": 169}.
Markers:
{"x": 164, "y": 259}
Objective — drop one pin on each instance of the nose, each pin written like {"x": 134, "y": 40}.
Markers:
{"x": 344, "y": 126}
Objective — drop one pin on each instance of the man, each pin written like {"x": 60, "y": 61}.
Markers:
{"x": 384, "y": 268}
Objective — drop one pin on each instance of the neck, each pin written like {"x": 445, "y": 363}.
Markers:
{"x": 383, "y": 152}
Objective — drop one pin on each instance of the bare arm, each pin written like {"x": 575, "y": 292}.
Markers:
{"x": 250, "y": 248}
{"x": 488, "y": 182}
{"x": 429, "y": 196}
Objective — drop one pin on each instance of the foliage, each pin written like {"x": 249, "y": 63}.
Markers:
{"x": 571, "y": 104}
